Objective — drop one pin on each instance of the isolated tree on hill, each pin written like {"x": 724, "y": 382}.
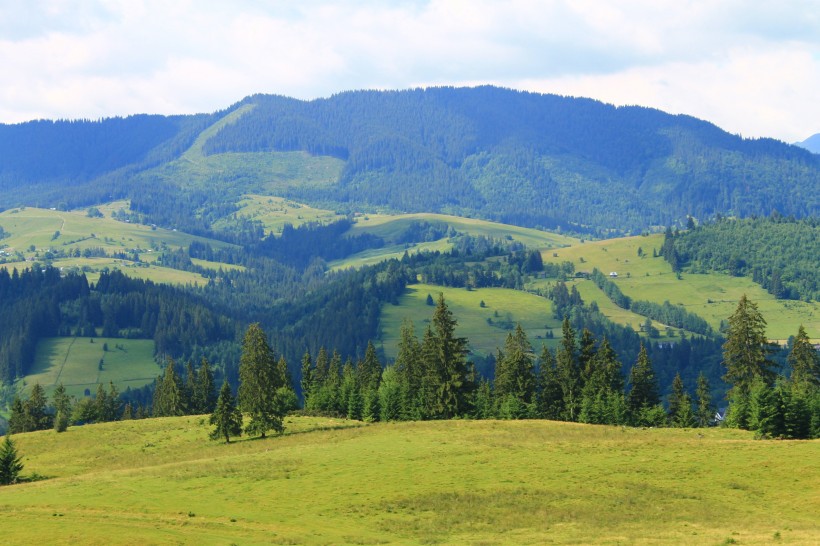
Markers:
{"x": 226, "y": 417}
{"x": 259, "y": 381}
{"x": 10, "y": 462}
{"x": 804, "y": 361}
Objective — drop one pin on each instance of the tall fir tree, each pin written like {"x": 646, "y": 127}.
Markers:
{"x": 804, "y": 361}
{"x": 746, "y": 359}
{"x": 515, "y": 374}
{"x": 569, "y": 377}
{"x": 168, "y": 397}
{"x": 706, "y": 411}
{"x": 10, "y": 462}
{"x": 454, "y": 389}
{"x": 306, "y": 381}
{"x": 259, "y": 380}
{"x": 226, "y": 418}
{"x": 643, "y": 393}
{"x": 204, "y": 397}
{"x": 550, "y": 403}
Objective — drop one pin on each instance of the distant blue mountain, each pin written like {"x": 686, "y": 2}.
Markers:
{"x": 812, "y": 144}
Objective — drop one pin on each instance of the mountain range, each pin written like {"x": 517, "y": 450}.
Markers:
{"x": 522, "y": 158}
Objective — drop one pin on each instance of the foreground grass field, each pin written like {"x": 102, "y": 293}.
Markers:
{"x": 75, "y": 362}
{"x": 161, "y": 481}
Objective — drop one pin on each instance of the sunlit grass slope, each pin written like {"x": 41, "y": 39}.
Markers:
{"x": 75, "y": 362}
{"x": 391, "y": 228}
{"x": 711, "y": 296}
{"x": 462, "y": 482}
{"x": 485, "y": 327}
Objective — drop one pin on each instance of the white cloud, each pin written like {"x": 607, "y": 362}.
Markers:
{"x": 750, "y": 66}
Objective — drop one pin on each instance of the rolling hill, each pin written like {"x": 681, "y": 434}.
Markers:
{"x": 158, "y": 481}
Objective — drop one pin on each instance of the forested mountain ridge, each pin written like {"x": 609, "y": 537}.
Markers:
{"x": 516, "y": 157}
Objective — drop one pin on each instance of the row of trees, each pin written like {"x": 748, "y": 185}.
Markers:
{"x": 770, "y": 403}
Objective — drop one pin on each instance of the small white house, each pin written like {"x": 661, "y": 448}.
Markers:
{"x": 613, "y": 274}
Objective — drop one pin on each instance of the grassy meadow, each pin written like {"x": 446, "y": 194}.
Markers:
{"x": 503, "y": 309}
{"x": 161, "y": 481}
{"x": 75, "y": 362}
{"x": 711, "y": 296}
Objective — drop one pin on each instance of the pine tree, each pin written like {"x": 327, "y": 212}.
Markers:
{"x": 306, "y": 382}
{"x": 61, "y": 400}
{"x": 804, "y": 361}
{"x": 259, "y": 380}
{"x": 168, "y": 399}
{"x": 568, "y": 373}
{"x": 448, "y": 355}
{"x": 189, "y": 387}
{"x": 18, "y": 419}
{"x": 706, "y": 411}
{"x": 35, "y": 408}
{"x": 550, "y": 404}
{"x": 226, "y": 417}
{"x": 515, "y": 376}
{"x": 745, "y": 353}
{"x": 10, "y": 462}
{"x": 390, "y": 395}
{"x": 644, "y": 392}
{"x": 204, "y": 397}
{"x": 676, "y": 397}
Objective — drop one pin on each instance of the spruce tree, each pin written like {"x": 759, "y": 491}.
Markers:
{"x": 390, "y": 395}
{"x": 259, "y": 381}
{"x": 62, "y": 402}
{"x": 10, "y": 462}
{"x": 226, "y": 418}
{"x": 36, "y": 408}
{"x": 644, "y": 392}
{"x": 515, "y": 376}
{"x": 568, "y": 373}
{"x": 804, "y": 361}
{"x": 454, "y": 390}
{"x": 706, "y": 410}
{"x": 745, "y": 353}
{"x": 676, "y": 397}
{"x": 306, "y": 381}
{"x": 204, "y": 397}
{"x": 168, "y": 397}
{"x": 550, "y": 404}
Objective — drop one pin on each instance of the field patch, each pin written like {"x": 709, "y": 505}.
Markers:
{"x": 485, "y": 327}
{"x": 712, "y": 296}
{"x": 81, "y": 363}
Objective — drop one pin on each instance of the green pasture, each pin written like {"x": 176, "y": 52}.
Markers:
{"x": 712, "y": 296}
{"x": 392, "y": 226}
{"x": 161, "y": 481}
{"x": 504, "y": 308}
{"x": 37, "y": 227}
{"x": 376, "y": 255}
{"x": 275, "y": 212}
{"x": 75, "y": 362}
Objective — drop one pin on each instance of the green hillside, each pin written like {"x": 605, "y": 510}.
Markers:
{"x": 486, "y": 327}
{"x": 160, "y": 481}
{"x": 82, "y": 363}
{"x": 52, "y": 236}
{"x": 713, "y": 296}
{"x": 392, "y": 227}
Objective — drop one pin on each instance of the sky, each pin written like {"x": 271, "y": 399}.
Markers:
{"x": 751, "y": 67}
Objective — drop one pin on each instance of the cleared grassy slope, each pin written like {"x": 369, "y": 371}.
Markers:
{"x": 503, "y": 308}
{"x": 712, "y": 296}
{"x": 464, "y": 482}
{"x": 75, "y": 362}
